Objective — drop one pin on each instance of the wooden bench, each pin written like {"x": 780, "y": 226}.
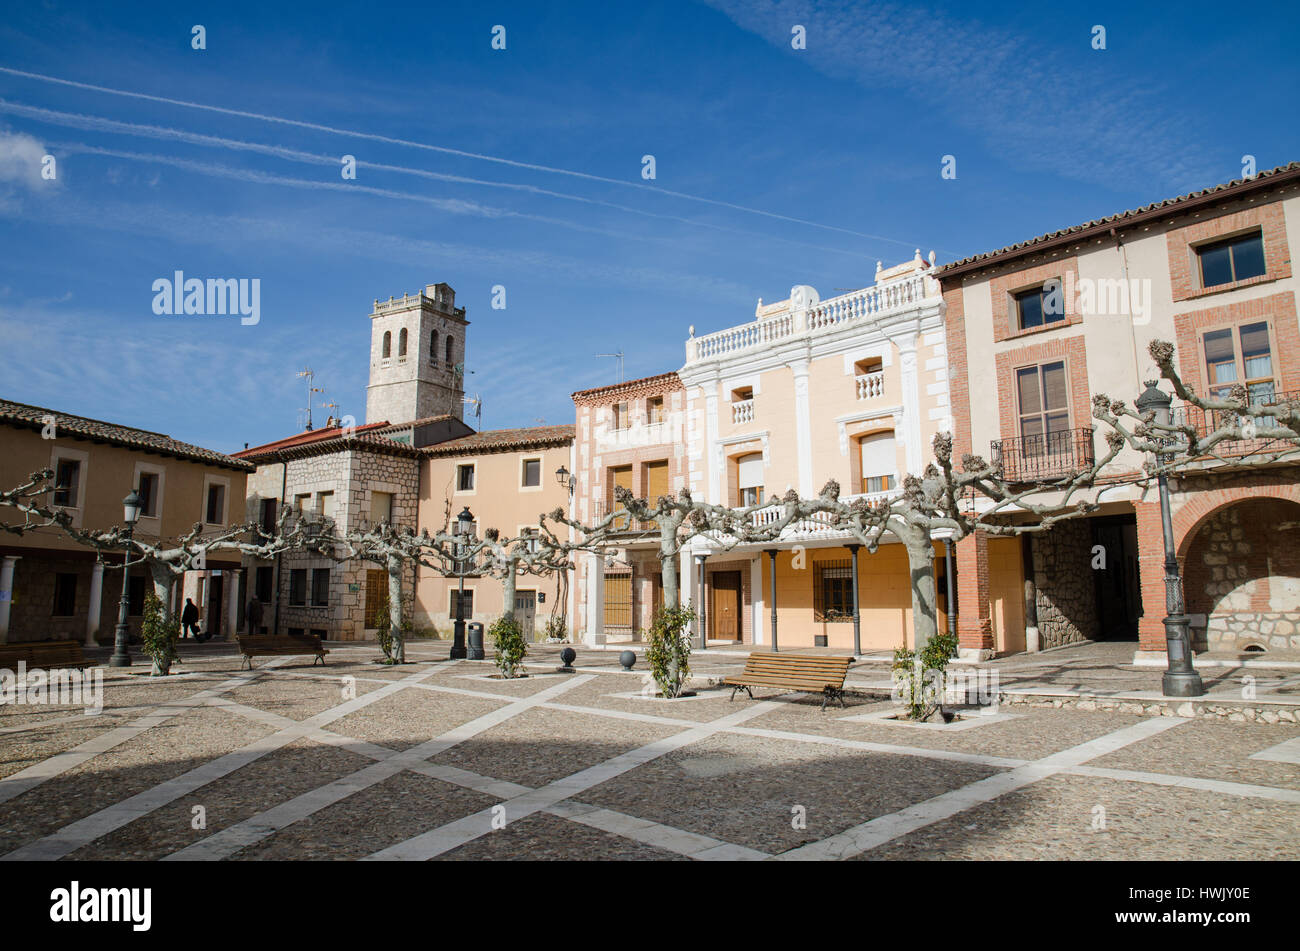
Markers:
{"x": 808, "y": 673}
{"x": 43, "y": 655}
{"x": 268, "y": 645}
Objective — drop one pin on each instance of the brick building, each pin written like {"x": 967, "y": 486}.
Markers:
{"x": 1046, "y": 323}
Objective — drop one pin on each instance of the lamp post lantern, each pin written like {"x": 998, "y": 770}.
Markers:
{"x": 121, "y": 656}
{"x": 464, "y": 525}
{"x": 1181, "y": 678}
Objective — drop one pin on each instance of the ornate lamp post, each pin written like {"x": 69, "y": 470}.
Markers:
{"x": 131, "y": 514}
{"x": 464, "y": 525}
{"x": 1181, "y": 679}
{"x": 565, "y": 479}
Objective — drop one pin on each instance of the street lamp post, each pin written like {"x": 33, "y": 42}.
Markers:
{"x": 1181, "y": 678}
{"x": 464, "y": 525}
{"x": 121, "y": 656}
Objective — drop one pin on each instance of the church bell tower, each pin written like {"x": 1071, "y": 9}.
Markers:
{"x": 417, "y": 357}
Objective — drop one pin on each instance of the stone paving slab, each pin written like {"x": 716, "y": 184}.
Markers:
{"x": 372, "y": 819}
{"x": 154, "y": 756}
{"x": 393, "y": 721}
{"x": 743, "y": 789}
{"x": 1054, "y": 820}
{"x": 1216, "y": 750}
{"x": 296, "y": 768}
{"x": 542, "y": 837}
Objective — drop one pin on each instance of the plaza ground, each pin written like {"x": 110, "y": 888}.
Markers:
{"x": 439, "y": 759}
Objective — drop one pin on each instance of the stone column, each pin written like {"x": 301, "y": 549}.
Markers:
{"x": 96, "y": 601}
{"x": 756, "y": 596}
{"x": 910, "y": 385}
{"x": 6, "y": 593}
{"x": 595, "y": 600}
{"x": 803, "y": 428}
{"x": 231, "y": 621}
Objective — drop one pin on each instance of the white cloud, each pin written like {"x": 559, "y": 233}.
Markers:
{"x": 20, "y": 159}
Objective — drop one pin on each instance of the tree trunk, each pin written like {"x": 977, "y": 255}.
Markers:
{"x": 920, "y": 563}
{"x": 668, "y": 563}
{"x": 508, "y": 589}
{"x": 398, "y": 653}
{"x": 162, "y": 586}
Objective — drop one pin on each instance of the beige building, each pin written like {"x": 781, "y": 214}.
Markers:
{"x": 506, "y": 478}
{"x": 52, "y": 588}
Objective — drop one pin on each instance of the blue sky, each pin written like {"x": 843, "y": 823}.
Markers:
{"x": 774, "y": 167}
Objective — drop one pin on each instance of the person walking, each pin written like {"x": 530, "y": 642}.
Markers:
{"x": 190, "y": 620}
{"x": 254, "y": 615}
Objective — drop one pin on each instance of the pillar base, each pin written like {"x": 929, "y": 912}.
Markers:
{"x": 974, "y": 655}
{"x": 1182, "y": 684}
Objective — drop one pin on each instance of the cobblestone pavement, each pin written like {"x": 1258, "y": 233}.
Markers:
{"x": 437, "y": 759}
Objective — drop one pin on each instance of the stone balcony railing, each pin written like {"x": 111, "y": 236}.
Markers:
{"x": 742, "y": 411}
{"x": 869, "y": 303}
{"x": 819, "y": 523}
{"x": 870, "y": 385}
{"x": 662, "y": 433}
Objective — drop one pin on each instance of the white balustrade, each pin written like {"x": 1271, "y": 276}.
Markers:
{"x": 742, "y": 411}
{"x": 871, "y": 385}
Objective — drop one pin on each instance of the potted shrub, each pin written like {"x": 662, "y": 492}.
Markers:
{"x": 510, "y": 645}
{"x": 158, "y": 635}
{"x": 919, "y": 681}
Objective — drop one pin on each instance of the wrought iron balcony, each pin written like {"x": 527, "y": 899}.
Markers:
{"x": 1044, "y": 458}
{"x": 623, "y": 522}
{"x": 1205, "y": 422}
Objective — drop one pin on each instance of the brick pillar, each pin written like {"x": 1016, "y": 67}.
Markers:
{"x": 974, "y": 623}
{"x": 1151, "y": 569}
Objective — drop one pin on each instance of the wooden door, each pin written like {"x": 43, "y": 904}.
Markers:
{"x": 526, "y": 612}
{"x": 724, "y": 614}
{"x": 376, "y": 595}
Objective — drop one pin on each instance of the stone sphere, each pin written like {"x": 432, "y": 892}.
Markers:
{"x": 568, "y": 656}
{"x": 627, "y": 659}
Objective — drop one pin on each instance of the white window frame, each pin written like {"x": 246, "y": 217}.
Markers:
{"x": 541, "y": 476}
{"x": 455, "y": 488}
{"x": 208, "y": 482}
{"x": 72, "y": 455}
{"x": 148, "y": 468}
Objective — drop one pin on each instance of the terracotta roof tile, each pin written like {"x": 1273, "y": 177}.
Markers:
{"x": 1165, "y": 208}
{"x": 503, "y": 440}
{"x": 34, "y": 417}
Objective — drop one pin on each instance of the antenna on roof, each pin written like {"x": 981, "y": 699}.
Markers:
{"x": 619, "y": 355}
{"x": 477, "y": 402}
{"x": 307, "y": 372}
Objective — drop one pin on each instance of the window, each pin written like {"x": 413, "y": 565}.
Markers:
{"x": 148, "y": 492}
{"x": 656, "y": 480}
{"x": 450, "y": 341}
{"x": 325, "y": 504}
{"x": 833, "y": 592}
{"x": 618, "y": 600}
{"x": 297, "y": 586}
{"x": 67, "y": 482}
{"x": 320, "y": 587}
{"x": 135, "y": 596}
{"x": 468, "y": 604}
{"x": 465, "y": 477}
{"x": 749, "y": 479}
{"x": 1240, "y": 355}
{"x": 1232, "y": 260}
{"x": 216, "y": 513}
{"x": 532, "y": 473}
{"x": 264, "y": 578}
{"x": 268, "y": 516}
{"x": 618, "y": 416}
{"x": 401, "y": 343}
{"x": 388, "y": 344}
{"x": 65, "y": 595}
{"x": 654, "y": 410}
{"x": 302, "y": 503}
{"x": 433, "y": 348}
{"x": 1039, "y": 306}
{"x": 1044, "y": 405}
{"x": 381, "y": 507}
{"x": 295, "y": 632}
{"x": 879, "y": 462}
{"x": 869, "y": 365}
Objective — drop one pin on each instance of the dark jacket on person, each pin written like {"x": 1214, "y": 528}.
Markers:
{"x": 190, "y": 614}
{"x": 254, "y": 615}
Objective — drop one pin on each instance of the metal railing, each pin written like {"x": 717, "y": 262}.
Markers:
{"x": 622, "y": 522}
{"x": 1205, "y": 422}
{"x": 1044, "y": 458}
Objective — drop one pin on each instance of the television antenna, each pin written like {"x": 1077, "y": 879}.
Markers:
{"x": 310, "y": 376}
{"x": 619, "y": 357}
{"x": 477, "y": 402}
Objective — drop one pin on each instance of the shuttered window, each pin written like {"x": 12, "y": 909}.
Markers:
{"x": 656, "y": 480}
{"x": 618, "y": 601}
{"x": 1044, "y": 404}
{"x": 879, "y": 462}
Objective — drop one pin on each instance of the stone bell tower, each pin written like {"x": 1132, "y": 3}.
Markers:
{"x": 417, "y": 356}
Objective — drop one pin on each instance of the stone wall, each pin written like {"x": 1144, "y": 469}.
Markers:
{"x": 1243, "y": 572}
{"x": 1067, "y": 600}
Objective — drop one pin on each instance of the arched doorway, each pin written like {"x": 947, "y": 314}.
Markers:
{"x": 1242, "y": 572}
